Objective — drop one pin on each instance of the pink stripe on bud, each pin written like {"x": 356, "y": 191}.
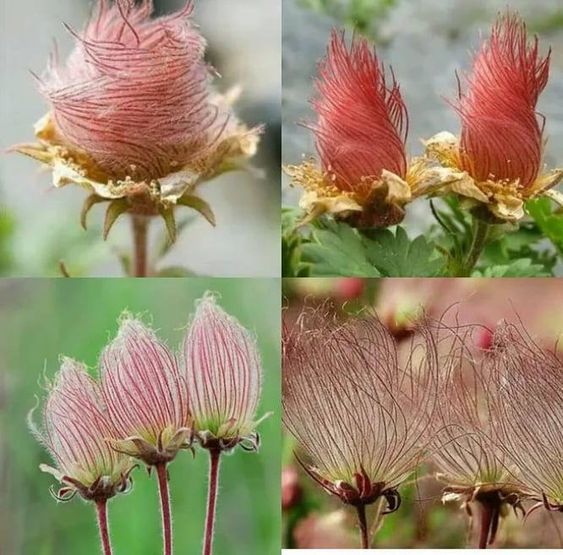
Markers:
{"x": 501, "y": 138}
{"x": 362, "y": 120}
{"x": 134, "y": 94}
{"x": 223, "y": 371}
{"x": 143, "y": 389}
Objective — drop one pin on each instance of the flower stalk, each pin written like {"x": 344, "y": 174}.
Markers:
{"x": 140, "y": 244}
{"x": 362, "y": 520}
{"x": 162, "y": 475}
{"x": 214, "y": 463}
{"x": 102, "y": 513}
{"x": 479, "y": 237}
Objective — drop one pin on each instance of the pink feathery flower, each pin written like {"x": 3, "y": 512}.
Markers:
{"x": 77, "y": 432}
{"x": 134, "y": 94}
{"x": 224, "y": 376}
{"x": 145, "y": 394}
{"x": 362, "y": 119}
{"x": 501, "y": 137}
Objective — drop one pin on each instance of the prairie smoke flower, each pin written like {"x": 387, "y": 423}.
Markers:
{"x": 500, "y": 150}
{"x": 133, "y": 117}
{"x": 362, "y": 124}
{"x": 531, "y": 415}
{"x": 145, "y": 394}
{"x": 224, "y": 376}
{"x": 467, "y": 452}
{"x": 358, "y": 414}
{"x": 76, "y": 432}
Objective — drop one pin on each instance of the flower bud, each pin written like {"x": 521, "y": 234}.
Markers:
{"x": 223, "y": 371}
{"x": 76, "y": 432}
{"x": 145, "y": 394}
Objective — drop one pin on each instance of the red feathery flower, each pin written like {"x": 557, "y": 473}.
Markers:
{"x": 501, "y": 137}
{"x": 362, "y": 119}
{"x": 145, "y": 394}
{"x": 134, "y": 93}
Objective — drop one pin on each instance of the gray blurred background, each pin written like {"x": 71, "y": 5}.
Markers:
{"x": 40, "y": 226}
{"x": 425, "y": 41}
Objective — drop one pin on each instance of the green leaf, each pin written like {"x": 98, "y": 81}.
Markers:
{"x": 338, "y": 250}
{"x": 292, "y": 240}
{"x": 199, "y": 205}
{"x": 550, "y": 223}
{"x": 518, "y": 268}
{"x": 114, "y": 210}
{"x": 395, "y": 255}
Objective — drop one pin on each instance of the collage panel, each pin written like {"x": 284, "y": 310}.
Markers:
{"x": 422, "y": 414}
{"x": 140, "y": 141}
{"x": 422, "y": 138}
{"x": 107, "y": 385}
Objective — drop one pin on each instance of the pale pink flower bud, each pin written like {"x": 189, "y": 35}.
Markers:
{"x": 76, "y": 432}
{"x": 501, "y": 136}
{"x": 224, "y": 375}
{"x": 145, "y": 394}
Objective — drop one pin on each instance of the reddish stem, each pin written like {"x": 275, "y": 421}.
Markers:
{"x": 486, "y": 521}
{"x": 140, "y": 239}
{"x": 214, "y": 455}
{"x": 102, "y": 512}
{"x": 162, "y": 474}
{"x": 361, "y": 509}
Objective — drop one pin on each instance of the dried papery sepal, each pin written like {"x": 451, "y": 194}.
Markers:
{"x": 530, "y": 407}
{"x": 497, "y": 162}
{"x": 221, "y": 363}
{"x": 146, "y": 395}
{"x": 364, "y": 177}
{"x": 466, "y": 448}
{"x": 75, "y": 430}
{"x": 133, "y": 116}
{"x": 358, "y": 412}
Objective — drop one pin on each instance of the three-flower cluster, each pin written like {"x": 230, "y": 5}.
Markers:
{"x": 369, "y": 412}
{"x": 147, "y": 405}
{"x": 365, "y": 177}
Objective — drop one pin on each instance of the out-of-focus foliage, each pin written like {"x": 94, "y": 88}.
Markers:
{"x": 7, "y": 227}
{"x": 39, "y": 320}
{"x": 363, "y": 15}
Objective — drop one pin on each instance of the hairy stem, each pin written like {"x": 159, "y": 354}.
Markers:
{"x": 102, "y": 512}
{"x": 214, "y": 456}
{"x": 361, "y": 510}
{"x": 140, "y": 241}
{"x": 162, "y": 474}
{"x": 479, "y": 238}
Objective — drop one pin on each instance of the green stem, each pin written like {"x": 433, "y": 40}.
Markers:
{"x": 479, "y": 237}
{"x": 361, "y": 509}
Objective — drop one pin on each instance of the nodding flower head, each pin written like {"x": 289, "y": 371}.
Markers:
{"x": 360, "y": 136}
{"x": 133, "y": 114}
{"x": 531, "y": 414}
{"x": 223, "y": 371}
{"x": 77, "y": 432}
{"x": 467, "y": 450}
{"x": 358, "y": 414}
{"x": 501, "y": 147}
{"x": 145, "y": 394}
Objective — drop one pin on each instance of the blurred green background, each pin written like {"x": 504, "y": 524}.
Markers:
{"x": 41, "y": 319}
